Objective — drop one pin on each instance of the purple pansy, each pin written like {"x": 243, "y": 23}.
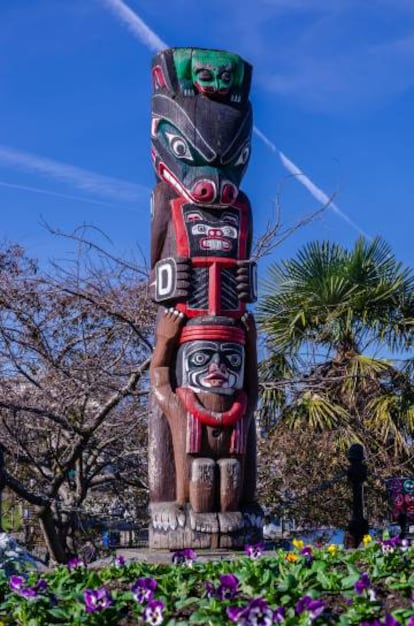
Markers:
{"x": 362, "y": 583}
{"x": 389, "y": 545}
{"x": 311, "y": 606}
{"x": 143, "y": 589}
{"x": 19, "y": 586}
{"x": 119, "y": 560}
{"x": 279, "y": 615}
{"x": 388, "y": 621}
{"x": 184, "y": 557}
{"x": 97, "y": 600}
{"x": 307, "y": 553}
{"x": 75, "y": 563}
{"x": 210, "y": 589}
{"x": 391, "y": 621}
{"x": 154, "y": 613}
{"x": 41, "y": 585}
{"x": 256, "y": 613}
{"x": 226, "y": 590}
{"x": 254, "y": 551}
{"x": 17, "y": 583}
{"x": 228, "y": 587}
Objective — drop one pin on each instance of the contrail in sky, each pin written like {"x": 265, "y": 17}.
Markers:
{"x": 57, "y": 194}
{"x": 82, "y": 179}
{"x": 151, "y": 40}
{"x": 316, "y": 192}
{"x": 136, "y": 25}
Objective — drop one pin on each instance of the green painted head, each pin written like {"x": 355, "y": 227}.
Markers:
{"x": 213, "y": 73}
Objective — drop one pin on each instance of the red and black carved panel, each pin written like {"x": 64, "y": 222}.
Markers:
{"x": 204, "y": 368}
{"x": 401, "y": 497}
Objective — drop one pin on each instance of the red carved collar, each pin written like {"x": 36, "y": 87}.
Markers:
{"x": 213, "y": 418}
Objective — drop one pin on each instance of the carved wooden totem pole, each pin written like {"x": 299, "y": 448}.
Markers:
{"x": 202, "y": 442}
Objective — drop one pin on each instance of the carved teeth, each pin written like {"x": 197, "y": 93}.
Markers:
{"x": 170, "y": 179}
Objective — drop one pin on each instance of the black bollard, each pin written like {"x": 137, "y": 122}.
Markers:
{"x": 357, "y": 475}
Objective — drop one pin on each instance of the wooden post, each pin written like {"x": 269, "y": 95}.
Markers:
{"x": 357, "y": 475}
{"x": 202, "y": 441}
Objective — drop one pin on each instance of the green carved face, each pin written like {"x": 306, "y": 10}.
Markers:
{"x": 213, "y": 73}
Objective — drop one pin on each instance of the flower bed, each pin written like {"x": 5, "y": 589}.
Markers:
{"x": 373, "y": 585}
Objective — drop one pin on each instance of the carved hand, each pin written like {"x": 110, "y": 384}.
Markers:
{"x": 246, "y": 281}
{"x": 171, "y": 279}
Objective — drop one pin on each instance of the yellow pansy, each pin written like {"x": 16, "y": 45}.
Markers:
{"x": 332, "y": 549}
{"x": 366, "y": 539}
{"x": 298, "y": 543}
{"x": 291, "y": 557}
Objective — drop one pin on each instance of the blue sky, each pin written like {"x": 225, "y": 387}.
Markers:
{"x": 333, "y": 89}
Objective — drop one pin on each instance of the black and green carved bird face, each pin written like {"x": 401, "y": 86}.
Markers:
{"x": 200, "y": 148}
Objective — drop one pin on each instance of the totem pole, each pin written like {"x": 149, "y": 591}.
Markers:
{"x": 202, "y": 441}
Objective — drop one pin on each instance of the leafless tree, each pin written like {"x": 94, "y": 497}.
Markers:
{"x": 75, "y": 345}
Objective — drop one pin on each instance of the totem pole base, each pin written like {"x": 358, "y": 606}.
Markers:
{"x": 175, "y": 527}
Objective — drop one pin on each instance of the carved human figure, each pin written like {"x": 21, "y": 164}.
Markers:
{"x": 208, "y": 401}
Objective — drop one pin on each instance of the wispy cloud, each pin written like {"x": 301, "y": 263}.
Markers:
{"x": 85, "y": 180}
{"x": 336, "y": 57}
{"x": 136, "y": 25}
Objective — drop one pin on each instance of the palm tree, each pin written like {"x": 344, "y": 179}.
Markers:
{"x": 333, "y": 319}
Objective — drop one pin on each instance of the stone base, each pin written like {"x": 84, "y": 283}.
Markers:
{"x": 175, "y": 527}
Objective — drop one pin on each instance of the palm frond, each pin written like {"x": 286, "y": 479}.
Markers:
{"x": 318, "y": 412}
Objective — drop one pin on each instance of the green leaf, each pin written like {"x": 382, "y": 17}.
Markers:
{"x": 348, "y": 582}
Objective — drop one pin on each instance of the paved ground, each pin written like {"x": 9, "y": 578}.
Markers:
{"x": 164, "y": 557}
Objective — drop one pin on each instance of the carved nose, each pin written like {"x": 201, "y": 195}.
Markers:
{"x": 228, "y": 193}
{"x": 204, "y": 191}
{"x": 214, "y": 232}
{"x": 217, "y": 367}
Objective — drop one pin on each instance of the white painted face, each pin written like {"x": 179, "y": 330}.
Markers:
{"x": 215, "y": 366}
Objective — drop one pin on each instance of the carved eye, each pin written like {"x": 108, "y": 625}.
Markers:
{"x": 226, "y": 77}
{"x": 229, "y": 231}
{"x": 243, "y": 156}
{"x": 199, "y": 229}
{"x": 179, "y": 147}
{"x": 199, "y": 358}
{"x": 205, "y": 75}
{"x": 234, "y": 359}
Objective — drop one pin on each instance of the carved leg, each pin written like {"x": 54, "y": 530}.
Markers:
{"x": 249, "y": 470}
{"x": 178, "y": 434}
{"x": 203, "y": 485}
{"x": 161, "y": 466}
{"x": 230, "y": 484}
